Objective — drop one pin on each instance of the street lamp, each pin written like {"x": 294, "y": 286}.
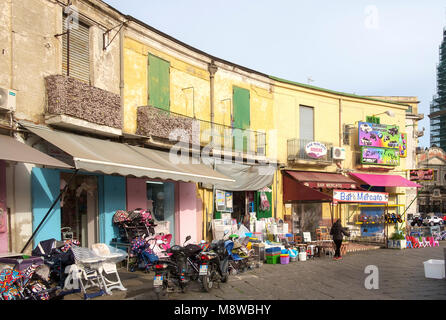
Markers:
{"x": 388, "y": 112}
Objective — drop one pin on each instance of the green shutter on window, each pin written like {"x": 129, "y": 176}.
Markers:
{"x": 159, "y": 82}
{"x": 242, "y": 115}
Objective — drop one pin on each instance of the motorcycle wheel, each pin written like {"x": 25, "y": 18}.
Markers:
{"x": 206, "y": 283}
{"x": 225, "y": 277}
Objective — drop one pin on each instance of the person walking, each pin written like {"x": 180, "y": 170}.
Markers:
{"x": 338, "y": 231}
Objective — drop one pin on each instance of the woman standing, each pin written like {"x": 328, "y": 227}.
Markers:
{"x": 338, "y": 232}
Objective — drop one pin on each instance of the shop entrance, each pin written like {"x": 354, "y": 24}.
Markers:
{"x": 239, "y": 206}
{"x": 79, "y": 209}
{"x": 307, "y": 217}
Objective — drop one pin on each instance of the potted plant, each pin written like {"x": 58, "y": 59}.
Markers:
{"x": 398, "y": 239}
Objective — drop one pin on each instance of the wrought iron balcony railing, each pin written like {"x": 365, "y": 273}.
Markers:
{"x": 297, "y": 151}
{"x": 168, "y": 125}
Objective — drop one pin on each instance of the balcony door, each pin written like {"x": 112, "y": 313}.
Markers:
{"x": 306, "y": 128}
{"x": 242, "y": 118}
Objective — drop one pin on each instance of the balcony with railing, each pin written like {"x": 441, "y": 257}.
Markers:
{"x": 298, "y": 152}
{"x": 172, "y": 127}
{"x": 76, "y": 105}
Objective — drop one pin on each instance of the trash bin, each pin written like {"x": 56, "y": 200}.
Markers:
{"x": 434, "y": 269}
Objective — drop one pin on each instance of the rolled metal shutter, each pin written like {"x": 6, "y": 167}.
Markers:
{"x": 79, "y": 47}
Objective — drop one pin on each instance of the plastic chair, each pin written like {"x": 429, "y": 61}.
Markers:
{"x": 415, "y": 242}
{"x": 433, "y": 242}
{"x": 426, "y": 242}
{"x": 86, "y": 268}
{"x": 108, "y": 267}
{"x": 408, "y": 242}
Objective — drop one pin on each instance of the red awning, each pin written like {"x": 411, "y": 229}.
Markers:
{"x": 296, "y": 191}
{"x": 324, "y": 180}
{"x": 384, "y": 180}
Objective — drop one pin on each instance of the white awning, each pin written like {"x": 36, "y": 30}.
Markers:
{"x": 108, "y": 157}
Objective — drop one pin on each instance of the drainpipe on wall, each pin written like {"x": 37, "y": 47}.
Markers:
{"x": 121, "y": 73}
{"x": 340, "y": 122}
{"x": 212, "y": 70}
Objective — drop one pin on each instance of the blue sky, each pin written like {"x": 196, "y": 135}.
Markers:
{"x": 382, "y": 47}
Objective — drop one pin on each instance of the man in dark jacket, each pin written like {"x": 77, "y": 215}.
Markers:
{"x": 338, "y": 232}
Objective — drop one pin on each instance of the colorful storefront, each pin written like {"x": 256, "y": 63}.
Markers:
{"x": 11, "y": 152}
{"x": 111, "y": 176}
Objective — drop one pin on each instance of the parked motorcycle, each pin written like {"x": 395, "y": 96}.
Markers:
{"x": 178, "y": 270}
{"x": 214, "y": 265}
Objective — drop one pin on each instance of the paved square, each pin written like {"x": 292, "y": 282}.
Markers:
{"x": 401, "y": 276}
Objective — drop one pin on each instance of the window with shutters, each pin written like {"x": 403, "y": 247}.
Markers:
{"x": 241, "y": 118}
{"x": 158, "y": 82}
{"x": 75, "y": 51}
{"x": 306, "y": 123}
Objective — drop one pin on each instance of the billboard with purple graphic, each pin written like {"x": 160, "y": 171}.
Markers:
{"x": 379, "y": 135}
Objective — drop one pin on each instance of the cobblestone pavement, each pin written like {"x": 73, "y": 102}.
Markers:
{"x": 401, "y": 276}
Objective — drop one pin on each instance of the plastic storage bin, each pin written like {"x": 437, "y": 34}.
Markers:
{"x": 284, "y": 258}
{"x": 302, "y": 256}
{"x": 273, "y": 259}
{"x": 434, "y": 269}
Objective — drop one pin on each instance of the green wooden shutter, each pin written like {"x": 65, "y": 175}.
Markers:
{"x": 242, "y": 114}
{"x": 159, "y": 82}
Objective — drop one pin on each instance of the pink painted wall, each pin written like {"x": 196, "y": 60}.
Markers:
{"x": 188, "y": 209}
{"x": 136, "y": 193}
{"x": 199, "y": 219}
{"x": 3, "y": 217}
{"x": 188, "y": 221}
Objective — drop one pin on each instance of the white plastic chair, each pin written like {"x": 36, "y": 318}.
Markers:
{"x": 86, "y": 268}
{"x": 108, "y": 267}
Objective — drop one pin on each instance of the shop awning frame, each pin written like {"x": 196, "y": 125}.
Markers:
{"x": 324, "y": 180}
{"x": 383, "y": 180}
{"x": 108, "y": 157}
{"x": 16, "y": 151}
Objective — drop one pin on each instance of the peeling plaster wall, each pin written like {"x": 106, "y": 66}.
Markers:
{"x": 29, "y": 52}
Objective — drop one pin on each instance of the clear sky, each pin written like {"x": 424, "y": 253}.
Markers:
{"x": 374, "y": 47}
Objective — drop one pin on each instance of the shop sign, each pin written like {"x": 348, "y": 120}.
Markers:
{"x": 421, "y": 175}
{"x": 223, "y": 201}
{"x": 379, "y": 135}
{"x": 328, "y": 185}
{"x": 220, "y": 200}
{"x": 403, "y": 145}
{"x": 316, "y": 150}
{"x": 383, "y": 156}
{"x": 360, "y": 196}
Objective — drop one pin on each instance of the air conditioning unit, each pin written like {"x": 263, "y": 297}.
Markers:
{"x": 338, "y": 153}
{"x": 7, "y": 99}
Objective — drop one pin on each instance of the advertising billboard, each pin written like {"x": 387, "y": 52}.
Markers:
{"x": 379, "y": 135}
{"x": 421, "y": 175}
{"x": 382, "y": 156}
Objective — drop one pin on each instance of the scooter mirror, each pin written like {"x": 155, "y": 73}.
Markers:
{"x": 188, "y": 238}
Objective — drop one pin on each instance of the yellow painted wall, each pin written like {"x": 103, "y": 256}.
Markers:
{"x": 274, "y": 109}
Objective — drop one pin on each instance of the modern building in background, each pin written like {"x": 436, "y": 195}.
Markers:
{"x": 438, "y": 106}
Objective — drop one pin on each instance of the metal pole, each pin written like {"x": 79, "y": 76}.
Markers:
{"x": 49, "y": 211}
